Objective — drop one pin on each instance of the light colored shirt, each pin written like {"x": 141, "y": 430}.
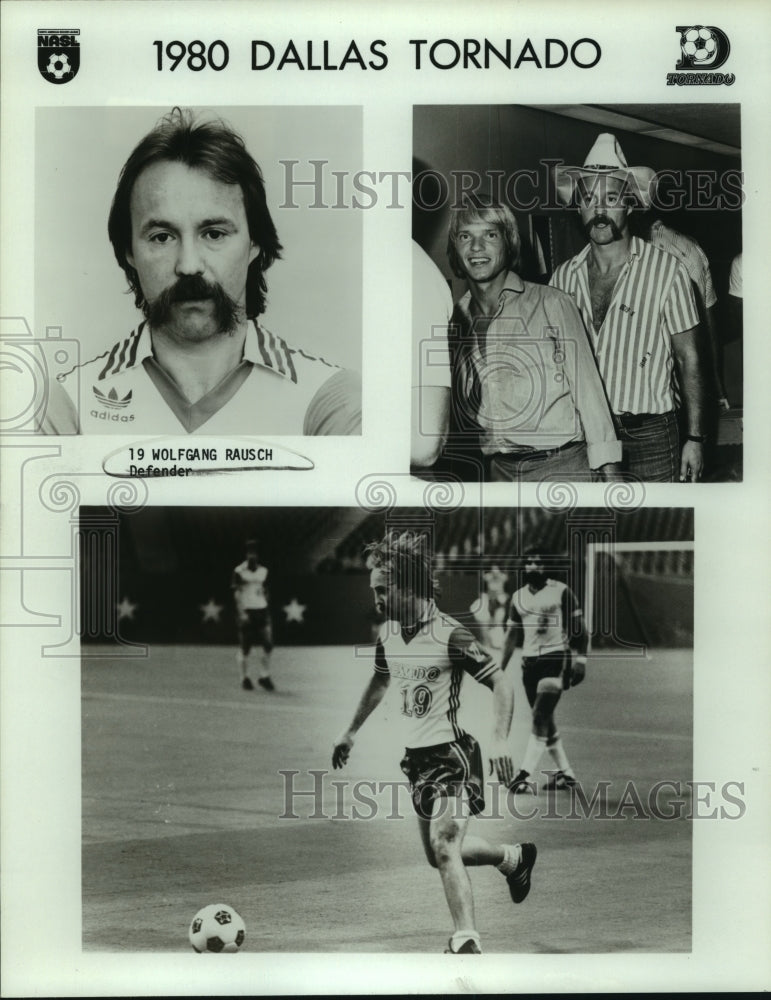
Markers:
{"x": 275, "y": 389}
{"x": 735, "y": 277}
{"x": 541, "y": 615}
{"x": 427, "y": 666}
{"x": 690, "y": 255}
{"x": 431, "y": 312}
{"x": 652, "y": 301}
{"x": 249, "y": 586}
{"x": 533, "y": 374}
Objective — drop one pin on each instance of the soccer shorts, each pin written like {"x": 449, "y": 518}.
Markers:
{"x": 535, "y": 668}
{"x": 255, "y": 631}
{"x": 445, "y": 769}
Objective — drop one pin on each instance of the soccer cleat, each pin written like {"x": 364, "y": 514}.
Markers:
{"x": 519, "y": 880}
{"x": 469, "y": 947}
{"x": 267, "y": 683}
{"x": 560, "y": 782}
{"x": 521, "y": 786}
{"x": 246, "y": 684}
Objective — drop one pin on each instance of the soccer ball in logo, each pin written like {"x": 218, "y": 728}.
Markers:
{"x": 59, "y": 65}
{"x": 700, "y": 44}
{"x": 217, "y": 928}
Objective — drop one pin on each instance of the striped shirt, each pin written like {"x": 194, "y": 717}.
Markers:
{"x": 652, "y": 301}
{"x": 275, "y": 389}
{"x": 690, "y": 255}
{"x": 428, "y": 664}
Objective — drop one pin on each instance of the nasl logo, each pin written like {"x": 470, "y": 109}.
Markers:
{"x": 58, "y": 54}
{"x": 702, "y": 47}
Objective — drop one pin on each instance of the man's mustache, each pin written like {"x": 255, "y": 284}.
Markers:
{"x": 603, "y": 220}
{"x": 193, "y": 288}
{"x": 190, "y": 287}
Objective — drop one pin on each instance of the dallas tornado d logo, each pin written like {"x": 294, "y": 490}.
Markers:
{"x": 58, "y": 54}
{"x": 702, "y": 47}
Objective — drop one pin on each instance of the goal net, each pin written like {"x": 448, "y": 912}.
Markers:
{"x": 639, "y": 595}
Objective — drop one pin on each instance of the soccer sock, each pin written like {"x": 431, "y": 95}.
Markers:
{"x": 512, "y": 855}
{"x": 535, "y": 748}
{"x": 556, "y": 749}
{"x": 264, "y": 664}
{"x": 243, "y": 663}
{"x": 459, "y": 938}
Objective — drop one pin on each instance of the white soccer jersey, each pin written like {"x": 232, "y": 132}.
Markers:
{"x": 276, "y": 389}
{"x": 428, "y": 668}
{"x": 542, "y": 617}
{"x": 250, "y": 586}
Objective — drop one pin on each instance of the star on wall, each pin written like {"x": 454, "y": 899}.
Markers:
{"x": 211, "y": 610}
{"x": 295, "y": 611}
{"x": 126, "y": 609}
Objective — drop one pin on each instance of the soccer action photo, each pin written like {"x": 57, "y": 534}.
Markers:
{"x": 415, "y": 730}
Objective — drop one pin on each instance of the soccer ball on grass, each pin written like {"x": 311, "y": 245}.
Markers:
{"x": 217, "y": 928}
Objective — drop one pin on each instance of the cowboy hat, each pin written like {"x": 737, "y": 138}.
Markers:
{"x": 605, "y": 159}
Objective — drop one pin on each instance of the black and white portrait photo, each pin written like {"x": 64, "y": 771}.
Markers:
{"x": 203, "y": 295}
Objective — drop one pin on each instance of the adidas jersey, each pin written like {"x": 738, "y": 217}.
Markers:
{"x": 276, "y": 389}
{"x": 542, "y": 617}
{"x": 428, "y": 667}
{"x": 249, "y": 586}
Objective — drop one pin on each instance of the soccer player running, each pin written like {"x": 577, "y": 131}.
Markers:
{"x": 547, "y": 634}
{"x": 250, "y": 594}
{"x": 427, "y": 653}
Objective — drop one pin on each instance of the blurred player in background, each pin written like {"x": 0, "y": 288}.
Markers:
{"x": 489, "y": 609}
{"x": 427, "y": 653}
{"x": 250, "y": 594}
{"x": 547, "y": 635}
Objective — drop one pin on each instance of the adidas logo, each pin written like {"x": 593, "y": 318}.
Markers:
{"x": 112, "y": 399}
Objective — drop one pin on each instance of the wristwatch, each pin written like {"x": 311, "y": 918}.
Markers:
{"x": 698, "y": 438}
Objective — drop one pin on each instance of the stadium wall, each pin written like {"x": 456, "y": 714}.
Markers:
{"x": 313, "y": 609}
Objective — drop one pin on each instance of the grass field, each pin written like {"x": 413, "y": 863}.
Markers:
{"x": 182, "y": 792}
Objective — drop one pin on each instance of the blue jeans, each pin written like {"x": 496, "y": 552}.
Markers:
{"x": 651, "y": 446}
{"x": 567, "y": 462}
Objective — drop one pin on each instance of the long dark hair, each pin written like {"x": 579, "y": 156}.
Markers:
{"x": 211, "y": 146}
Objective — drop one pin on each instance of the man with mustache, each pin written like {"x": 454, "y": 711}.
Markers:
{"x": 640, "y": 314}
{"x": 191, "y": 229}
{"x": 547, "y": 637}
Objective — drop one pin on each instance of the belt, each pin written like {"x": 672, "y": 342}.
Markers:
{"x": 636, "y": 419}
{"x": 534, "y": 452}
